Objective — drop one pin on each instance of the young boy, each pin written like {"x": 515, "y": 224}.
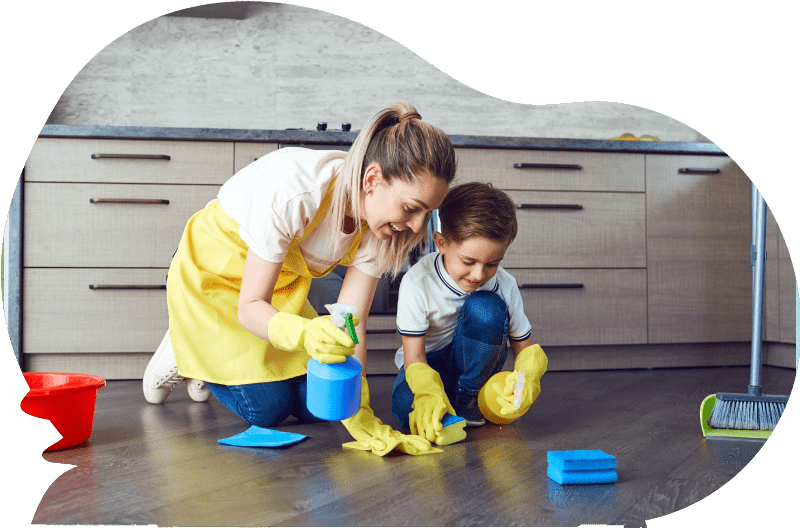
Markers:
{"x": 456, "y": 311}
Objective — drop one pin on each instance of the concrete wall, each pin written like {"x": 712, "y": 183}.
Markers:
{"x": 272, "y": 66}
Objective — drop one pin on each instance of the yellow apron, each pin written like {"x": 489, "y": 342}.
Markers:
{"x": 203, "y": 285}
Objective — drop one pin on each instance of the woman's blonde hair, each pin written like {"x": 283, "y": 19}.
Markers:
{"x": 404, "y": 147}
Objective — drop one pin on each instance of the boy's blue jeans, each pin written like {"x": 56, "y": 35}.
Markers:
{"x": 477, "y": 352}
{"x": 265, "y": 404}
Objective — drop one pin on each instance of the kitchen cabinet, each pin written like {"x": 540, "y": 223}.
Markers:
{"x": 770, "y": 320}
{"x": 247, "y": 153}
{"x": 102, "y": 218}
{"x": 698, "y": 250}
{"x": 787, "y": 282}
{"x": 628, "y": 255}
{"x": 580, "y": 252}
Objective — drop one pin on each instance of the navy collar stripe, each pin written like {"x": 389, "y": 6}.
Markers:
{"x": 441, "y": 277}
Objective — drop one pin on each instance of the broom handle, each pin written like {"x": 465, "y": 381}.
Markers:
{"x": 759, "y": 244}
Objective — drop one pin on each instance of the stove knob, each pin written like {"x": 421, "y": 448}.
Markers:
{"x": 345, "y": 127}
{"x": 322, "y": 127}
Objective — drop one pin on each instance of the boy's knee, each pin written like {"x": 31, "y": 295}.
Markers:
{"x": 402, "y": 399}
{"x": 485, "y": 309}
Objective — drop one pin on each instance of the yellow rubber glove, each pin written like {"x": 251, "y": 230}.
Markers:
{"x": 319, "y": 337}
{"x": 372, "y": 435}
{"x": 534, "y": 361}
{"x": 430, "y": 401}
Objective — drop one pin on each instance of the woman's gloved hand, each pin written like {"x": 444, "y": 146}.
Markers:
{"x": 430, "y": 401}
{"x": 372, "y": 435}
{"x": 533, "y": 360}
{"x": 319, "y": 337}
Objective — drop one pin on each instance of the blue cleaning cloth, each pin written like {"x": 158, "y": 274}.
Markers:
{"x": 586, "y": 476}
{"x": 580, "y": 460}
{"x": 259, "y": 437}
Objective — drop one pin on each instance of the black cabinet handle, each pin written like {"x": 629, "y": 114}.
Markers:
{"x": 386, "y": 331}
{"x": 129, "y": 201}
{"x": 557, "y": 166}
{"x": 127, "y": 287}
{"x": 162, "y": 157}
{"x": 551, "y": 286}
{"x": 549, "y": 206}
{"x": 698, "y": 171}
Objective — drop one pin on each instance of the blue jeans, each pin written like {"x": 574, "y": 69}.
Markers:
{"x": 265, "y": 404}
{"x": 477, "y": 352}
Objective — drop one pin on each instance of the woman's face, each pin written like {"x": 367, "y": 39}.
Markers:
{"x": 392, "y": 208}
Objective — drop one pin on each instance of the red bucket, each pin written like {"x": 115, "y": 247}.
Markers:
{"x": 67, "y": 400}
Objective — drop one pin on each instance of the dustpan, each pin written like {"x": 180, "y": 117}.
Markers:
{"x": 705, "y": 413}
{"x": 757, "y": 258}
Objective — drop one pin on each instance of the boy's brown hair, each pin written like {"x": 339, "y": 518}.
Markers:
{"x": 478, "y": 209}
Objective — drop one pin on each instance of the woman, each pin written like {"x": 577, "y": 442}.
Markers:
{"x": 239, "y": 317}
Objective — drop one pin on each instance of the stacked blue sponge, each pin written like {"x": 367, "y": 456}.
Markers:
{"x": 581, "y": 467}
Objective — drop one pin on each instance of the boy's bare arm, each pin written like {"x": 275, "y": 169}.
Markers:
{"x": 519, "y": 346}
{"x": 413, "y": 350}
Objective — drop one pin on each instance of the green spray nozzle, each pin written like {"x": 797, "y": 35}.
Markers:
{"x": 342, "y": 317}
{"x": 351, "y": 329}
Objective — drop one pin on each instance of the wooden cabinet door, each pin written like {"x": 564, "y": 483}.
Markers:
{"x": 698, "y": 250}
{"x": 788, "y": 301}
{"x": 770, "y": 330}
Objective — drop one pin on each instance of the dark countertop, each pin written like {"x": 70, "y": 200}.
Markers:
{"x": 334, "y": 137}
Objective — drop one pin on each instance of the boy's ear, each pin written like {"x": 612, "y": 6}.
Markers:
{"x": 439, "y": 239}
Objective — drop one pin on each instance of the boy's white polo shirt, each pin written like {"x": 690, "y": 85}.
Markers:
{"x": 429, "y": 304}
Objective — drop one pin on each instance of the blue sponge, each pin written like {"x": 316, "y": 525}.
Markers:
{"x": 581, "y": 467}
{"x": 587, "y": 476}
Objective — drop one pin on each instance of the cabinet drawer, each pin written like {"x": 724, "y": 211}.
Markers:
{"x": 585, "y": 307}
{"x": 64, "y": 228}
{"x": 62, "y": 313}
{"x": 246, "y": 153}
{"x": 129, "y": 161}
{"x": 552, "y": 170}
{"x": 578, "y": 230}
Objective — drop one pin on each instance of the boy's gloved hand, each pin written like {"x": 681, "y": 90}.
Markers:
{"x": 534, "y": 361}
{"x": 430, "y": 401}
{"x": 319, "y": 337}
{"x": 372, "y": 435}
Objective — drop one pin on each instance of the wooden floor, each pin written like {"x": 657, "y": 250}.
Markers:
{"x": 161, "y": 464}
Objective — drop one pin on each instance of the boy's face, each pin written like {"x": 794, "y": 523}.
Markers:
{"x": 472, "y": 262}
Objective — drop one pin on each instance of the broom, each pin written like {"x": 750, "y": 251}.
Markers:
{"x": 753, "y": 411}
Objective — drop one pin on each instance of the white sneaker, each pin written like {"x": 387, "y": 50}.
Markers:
{"x": 197, "y": 390}
{"x": 161, "y": 374}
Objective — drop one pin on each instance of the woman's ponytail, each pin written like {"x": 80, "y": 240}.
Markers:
{"x": 404, "y": 146}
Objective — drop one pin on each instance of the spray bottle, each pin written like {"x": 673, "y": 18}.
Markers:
{"x": 334, "y": 389}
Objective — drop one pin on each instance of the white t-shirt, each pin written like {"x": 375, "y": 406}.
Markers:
{"x": 277, "y": 196}
{"x": 429, "y": 304}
